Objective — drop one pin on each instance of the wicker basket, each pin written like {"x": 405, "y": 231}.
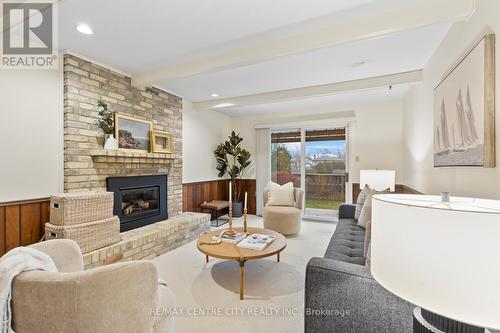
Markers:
{"x": 82, "y": 207}
{"x": 89, "y": 236}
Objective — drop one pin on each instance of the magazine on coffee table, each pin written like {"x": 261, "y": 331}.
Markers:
{"x": 256, "y": 242}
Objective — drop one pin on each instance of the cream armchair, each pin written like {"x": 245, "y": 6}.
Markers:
{"x": 121, "y": 297}
{"x": 284, "y": 219}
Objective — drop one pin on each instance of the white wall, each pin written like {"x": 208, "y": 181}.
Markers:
{"x": 202, "y": 131}
{"x": 418, "y": 110}
{"x": 375, "y": 138}
{"x": 31, "y": 134}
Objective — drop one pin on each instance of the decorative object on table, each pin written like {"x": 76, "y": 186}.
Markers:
{"x": 215, "y": 207}
{"x": 232, "y": 238}
{"x": 233, "y": 160}
{"x": 230, "y": 230}
{"x": 161, "y": 142}
{"x": 245, "y": 210}
{"x": 133, "y": 133}
{"x": 464, "y": 110}
{"x": 214, "y": 241}
{"x": 107, "y": 124}
{"x": 422, "y": 258}
{"x": 85, "y": 217}
{"x": 379, "y": 180}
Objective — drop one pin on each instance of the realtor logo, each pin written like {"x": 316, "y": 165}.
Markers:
{"x": 28, "y": 35}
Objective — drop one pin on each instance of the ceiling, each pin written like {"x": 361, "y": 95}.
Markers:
{"x": 338, "y": 102}
{"x": 395, "y": 53}
{"x": 136, "y": 36}
{"x": 140, "y": 37}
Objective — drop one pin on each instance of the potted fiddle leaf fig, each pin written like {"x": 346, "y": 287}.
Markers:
{"x": 232, "y": 160}
{"x": 107, "y": 124}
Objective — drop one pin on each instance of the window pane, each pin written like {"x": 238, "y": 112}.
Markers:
{"x": 325, "y": 168}
{"x": 285, "y": 157}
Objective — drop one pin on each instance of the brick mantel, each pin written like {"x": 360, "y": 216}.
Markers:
{"x": 86, "y": 163}
{"x": 125, "y": 154}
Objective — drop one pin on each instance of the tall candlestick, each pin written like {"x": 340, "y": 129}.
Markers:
{"x": 230, "y": 231}
{"x": 246, "y": 200}
{"x": 245, "y": 220}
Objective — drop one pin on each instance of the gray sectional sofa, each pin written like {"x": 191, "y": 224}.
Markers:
{"x": 341, "y": 294}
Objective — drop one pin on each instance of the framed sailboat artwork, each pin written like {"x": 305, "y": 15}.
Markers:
{"x": 464, "y": 110}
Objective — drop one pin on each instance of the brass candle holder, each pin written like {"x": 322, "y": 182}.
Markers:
{"x": 245, "y": 220}
{"x": 229, "y": 231}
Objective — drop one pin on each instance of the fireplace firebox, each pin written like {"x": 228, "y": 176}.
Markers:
{"x": 139, "y": 200}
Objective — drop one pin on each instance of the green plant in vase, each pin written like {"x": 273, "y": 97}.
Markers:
{"x": 232, "y": 160}
{"x": 107, "y": 124}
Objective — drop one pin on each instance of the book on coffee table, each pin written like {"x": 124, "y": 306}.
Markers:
{"x": 233, "y": 239}
{"x": 256, "y": 242}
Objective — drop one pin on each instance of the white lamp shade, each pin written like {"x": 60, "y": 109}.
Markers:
{"x": 378, "y": 180}
{"x": 441, "y": 257}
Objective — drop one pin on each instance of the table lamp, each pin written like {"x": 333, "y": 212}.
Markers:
{"x": 442, "y": 257}
{"x": 378, "y": 180}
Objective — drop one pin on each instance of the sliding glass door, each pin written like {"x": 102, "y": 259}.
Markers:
{"x": 314, "y": 159}
{"x": 325, "y": 172}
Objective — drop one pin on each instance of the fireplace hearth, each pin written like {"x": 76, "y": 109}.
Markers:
{"x": 139, "y": 200}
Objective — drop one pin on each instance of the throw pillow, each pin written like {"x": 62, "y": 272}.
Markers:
{"x": 361, "y": 200}
{"x": 280, "y": 195}
{"x": 366, "y": 212}
{"x": 368, "y": 259}
{"x": 368, "y": 236}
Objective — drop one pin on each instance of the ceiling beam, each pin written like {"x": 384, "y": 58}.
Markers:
{"x": 426, "y": 12}
{"x": 313, "y": 91}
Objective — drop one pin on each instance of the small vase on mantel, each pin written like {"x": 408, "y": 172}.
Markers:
{"x": 110, "y": 142}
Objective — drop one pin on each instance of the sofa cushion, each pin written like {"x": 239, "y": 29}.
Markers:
{"x": 347, "y": 243}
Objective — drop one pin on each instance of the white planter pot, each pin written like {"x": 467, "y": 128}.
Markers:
{"x": 110, "y": 143}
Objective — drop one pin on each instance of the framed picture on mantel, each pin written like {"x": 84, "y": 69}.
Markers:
{"x": 464, "y": 110}
{"x": 132, "y": 133}
{"x": 161, "y": 142}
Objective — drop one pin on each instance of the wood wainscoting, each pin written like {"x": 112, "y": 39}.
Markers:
{"x": 194, "y": 194}
{"x": 22, "y": 222}
{"x": 399, "y": 188}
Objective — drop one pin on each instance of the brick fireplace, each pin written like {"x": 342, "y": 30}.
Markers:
{"x": 87, "y": 166}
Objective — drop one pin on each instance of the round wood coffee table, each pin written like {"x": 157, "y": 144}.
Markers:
{"x": 229, "y": 251}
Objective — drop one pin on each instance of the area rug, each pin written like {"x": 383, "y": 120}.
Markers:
{"x": 208, "y": 293}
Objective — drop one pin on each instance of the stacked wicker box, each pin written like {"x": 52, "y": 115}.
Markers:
{"x": 86, "y": 217}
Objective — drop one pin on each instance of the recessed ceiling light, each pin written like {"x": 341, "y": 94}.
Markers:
{"x": 84, "y": 29}
{"x": 357, "y": 63}
{"x": 215, "y": 95}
